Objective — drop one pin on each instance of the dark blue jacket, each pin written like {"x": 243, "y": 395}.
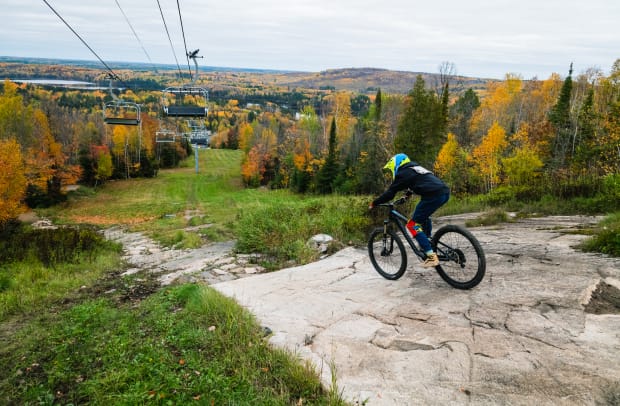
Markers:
{"x": 417, "y": 179}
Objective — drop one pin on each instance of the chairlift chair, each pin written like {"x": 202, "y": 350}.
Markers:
{"x": 174, "y": 99}
{"x": 198, "y": 133}
{"x": 121, "y": 113}
{"x": 165, "y": 136}
{"x": 175, "y": 105}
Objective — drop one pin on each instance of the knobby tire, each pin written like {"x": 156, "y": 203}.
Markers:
{"x": 387, "y": 253}
{"x": 462, "y": 262}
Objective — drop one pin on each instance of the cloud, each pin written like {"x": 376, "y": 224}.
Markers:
{"x": 486, "y": 38}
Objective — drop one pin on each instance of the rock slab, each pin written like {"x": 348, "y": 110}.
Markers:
{"x": 522, "y": 337}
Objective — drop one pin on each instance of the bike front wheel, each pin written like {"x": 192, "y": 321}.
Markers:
{"x": 387, "y": 253}
{"x": 462, "y": 263}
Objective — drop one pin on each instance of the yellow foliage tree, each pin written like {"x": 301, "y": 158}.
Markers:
{"x": 15, "y": 118}
{"x": 522, "y": 166}
{"x": 487, "y": 156}
{"x": 499, "y": 104}
{"x": 302, "y": 156}
{"x": 246, "y": 137}
{"x": 446, "y": 158}
{"x": 451, "y": 164}
{"x": 12, "y": 180}
{"x": 120, "y": 139}
{"x": 344, "y": 118}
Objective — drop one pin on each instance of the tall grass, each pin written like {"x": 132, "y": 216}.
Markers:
{"x": 281, "y": 228}
{"x": 607, "y": 238}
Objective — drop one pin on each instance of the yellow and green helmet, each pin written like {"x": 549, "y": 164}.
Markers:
{"x": 396, "y": 162}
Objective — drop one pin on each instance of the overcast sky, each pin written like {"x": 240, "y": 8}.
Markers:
{"x": 482, "y": 38}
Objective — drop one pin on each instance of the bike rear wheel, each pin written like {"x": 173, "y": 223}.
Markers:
{"x": 462, "y": 263}
{"x": 387, "y": 253}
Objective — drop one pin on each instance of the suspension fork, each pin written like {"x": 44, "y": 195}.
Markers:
{"x": 388, "y": 242}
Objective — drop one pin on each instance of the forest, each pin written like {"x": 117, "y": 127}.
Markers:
{"x": 555, "y": 138}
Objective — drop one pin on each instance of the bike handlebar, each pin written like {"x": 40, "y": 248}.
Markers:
{"x": 396, "y": 202}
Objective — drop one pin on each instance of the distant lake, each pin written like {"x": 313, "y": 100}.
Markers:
{"x": 59, "y": 82}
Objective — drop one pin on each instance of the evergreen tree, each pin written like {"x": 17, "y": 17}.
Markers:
{"x": 378, "y": 106}
{"x": 422, "y": 129}
{"x": 559, "y": 116}
{"x": 460, "y": 116}
{"x": 368, "y": 172}
{"x": 585, "y": 148}
{"x": 327, "y": 176}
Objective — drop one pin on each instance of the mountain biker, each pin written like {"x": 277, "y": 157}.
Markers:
{"x": 409, "y": 175}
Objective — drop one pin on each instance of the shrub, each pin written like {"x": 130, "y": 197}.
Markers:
{"x": 492, "y": 217}
{"x": 50, "y": 246}
{"x": 607, "y": 240}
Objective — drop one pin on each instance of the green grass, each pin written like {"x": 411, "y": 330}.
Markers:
{"x": 169, "y": 207}
{"x": 29, "y": 285}
{"x": 41, "y": 267}
{"x": 169, "y": 195}
{"x": 182, "y": 345}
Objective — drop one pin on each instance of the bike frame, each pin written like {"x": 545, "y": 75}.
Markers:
{"x": 400, "y": 220}
{"x": 452, "y": 243}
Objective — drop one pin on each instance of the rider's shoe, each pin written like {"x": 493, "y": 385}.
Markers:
{"x": 431, "y": 261}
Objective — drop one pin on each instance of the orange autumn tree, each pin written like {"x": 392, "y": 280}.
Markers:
{"x": 44, "y": 158}
{"x": 44, "y": 163}
{"x": 250, "y": 167}
{"x": 259, "y": 159}
{"x": 12, "y": 180}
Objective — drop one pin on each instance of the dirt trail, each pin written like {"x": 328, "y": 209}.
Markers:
{"x": 209, "y": 264}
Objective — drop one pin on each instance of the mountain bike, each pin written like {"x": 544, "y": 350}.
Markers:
{"x": 462, "y": 263}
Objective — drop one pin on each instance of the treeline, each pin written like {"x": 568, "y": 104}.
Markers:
{"x": 522, "y": 139}
{"x": 514, "y": 139}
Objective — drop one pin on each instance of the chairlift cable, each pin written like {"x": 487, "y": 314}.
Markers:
{"x": 169, "y": 39}
{"x": 86, "y": 44}
{"x": 189, "y": 69}
{"x": 135, "y": 34}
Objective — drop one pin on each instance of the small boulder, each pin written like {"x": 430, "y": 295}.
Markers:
{"x": 320, "y": 242}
